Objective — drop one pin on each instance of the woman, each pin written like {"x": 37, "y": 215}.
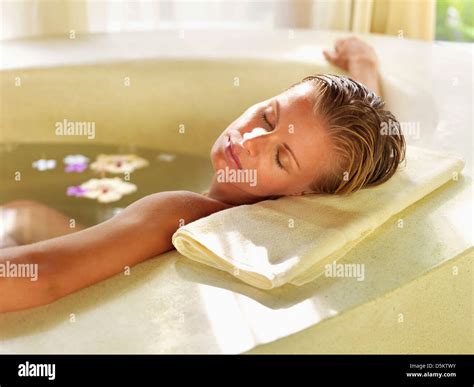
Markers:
{"x": 321, "y": 135}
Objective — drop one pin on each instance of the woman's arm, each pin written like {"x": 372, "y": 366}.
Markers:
{"x": 68, "y": 263}
{"x": 358, "y": 59}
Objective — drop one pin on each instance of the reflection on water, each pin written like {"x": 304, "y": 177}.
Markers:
{"x": 166, "y": 171}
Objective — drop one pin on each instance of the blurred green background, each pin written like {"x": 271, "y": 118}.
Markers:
{"x": 455, "y": 20}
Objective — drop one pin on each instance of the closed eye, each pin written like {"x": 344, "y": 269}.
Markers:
{"x": 277, "y": 153}
{"x": 264, "y": 118}
{"x": 277, "y": 159}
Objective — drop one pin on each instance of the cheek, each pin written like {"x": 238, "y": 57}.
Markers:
{"x": 267, "y": 182}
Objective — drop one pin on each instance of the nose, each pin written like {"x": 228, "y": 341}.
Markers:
{"x": 250, "y": 140}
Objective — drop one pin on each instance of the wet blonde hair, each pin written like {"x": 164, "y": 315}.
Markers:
{"x": 367, "y": 154}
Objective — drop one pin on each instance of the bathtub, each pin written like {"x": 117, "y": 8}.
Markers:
{"x": 140, "y": 89}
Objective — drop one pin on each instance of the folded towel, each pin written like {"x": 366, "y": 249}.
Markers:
{"x": 291, "y": 239}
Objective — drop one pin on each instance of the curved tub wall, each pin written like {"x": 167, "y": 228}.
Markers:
{"x": 169, "y": 299}
{"x": 162, "y": 95}
{"x": 203, "y": 95}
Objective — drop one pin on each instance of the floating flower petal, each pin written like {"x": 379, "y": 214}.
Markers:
{"x": 79, "y": 168}
{"x": 44, "y": 165}
{"x": 118, "y": 163}
{"x": 76, "y": 191}
{"x": 75, "y": 159}
{"x": 107, "y": 190}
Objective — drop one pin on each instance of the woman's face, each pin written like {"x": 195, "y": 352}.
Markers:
{"x": 276, "y": 147}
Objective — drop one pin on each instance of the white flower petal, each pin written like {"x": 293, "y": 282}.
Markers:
{"x": 43, "y": 164}
{"x": 91, "y": 194}
{"x": 76, "y": 159}
{"x": 118, "y": 163}
{"x": 107, "y": 189}
{"x": 109, "y": 197}
{"x": 127, "y": 189}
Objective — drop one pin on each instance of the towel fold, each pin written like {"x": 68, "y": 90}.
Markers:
{"x": 291, "y": 239}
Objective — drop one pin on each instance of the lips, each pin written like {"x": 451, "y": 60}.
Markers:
{"x": 230, "y": 152}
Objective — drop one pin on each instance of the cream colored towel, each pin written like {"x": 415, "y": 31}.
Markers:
{"x": 291, "y": 239}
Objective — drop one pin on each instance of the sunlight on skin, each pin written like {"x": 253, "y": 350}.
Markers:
{"x": 288, "y": 152}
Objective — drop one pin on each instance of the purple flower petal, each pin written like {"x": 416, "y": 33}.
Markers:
{"x": 78, "y": 167}
{"x": 81, "y": 167}
{"x": 75, "y": 191}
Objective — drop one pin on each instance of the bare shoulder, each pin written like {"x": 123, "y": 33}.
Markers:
{"x": 171, "y": 208}
{"x": 203, "y": 202}
{"x": 187, "y": 206}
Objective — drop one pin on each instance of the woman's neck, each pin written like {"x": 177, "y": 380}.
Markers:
{"x": 230, "y": 194}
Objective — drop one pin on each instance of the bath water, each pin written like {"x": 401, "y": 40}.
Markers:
{"x": 167, "y": 171}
